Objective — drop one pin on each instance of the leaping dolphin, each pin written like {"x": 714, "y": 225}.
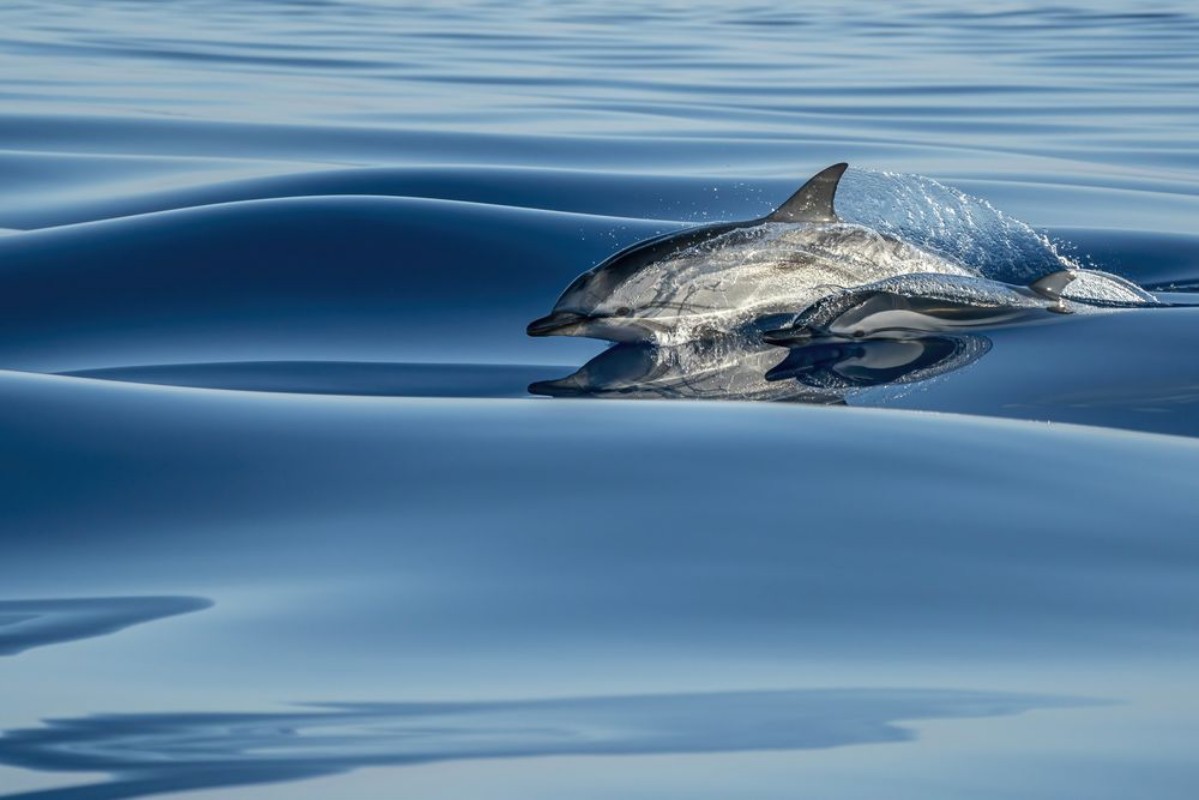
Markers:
{"x": 919, "y": 304}
{"x": 914, "y": 305}
{"x": 744, "y": 277}
{"x": 587, "y": 298}
{"x": 706, "y": 280}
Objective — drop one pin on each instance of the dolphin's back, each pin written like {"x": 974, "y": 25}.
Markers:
{"x": 812, "y": 203}
{"x": 603, "y": 278}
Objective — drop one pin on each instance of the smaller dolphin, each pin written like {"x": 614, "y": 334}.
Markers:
{"x": 919, "y": 304}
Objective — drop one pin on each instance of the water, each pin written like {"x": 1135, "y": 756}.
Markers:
{"x": 279, "y": 518}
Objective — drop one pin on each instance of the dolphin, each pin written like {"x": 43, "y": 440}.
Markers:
{"x": 708, "y": 280}
{"x": 921, "y": 304}
{"x": 744, "y": 277}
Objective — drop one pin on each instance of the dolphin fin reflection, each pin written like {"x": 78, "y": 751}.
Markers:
{"x": 839, "y": 366}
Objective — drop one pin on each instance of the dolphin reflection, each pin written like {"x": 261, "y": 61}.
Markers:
{"x": 838, "y": 365}
{"x": 821, "y": 370}
{"x": 732, "y": 367}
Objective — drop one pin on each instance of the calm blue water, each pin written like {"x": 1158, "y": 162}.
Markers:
{"x": 279, "y": 519}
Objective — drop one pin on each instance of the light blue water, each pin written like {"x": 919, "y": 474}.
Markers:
{"x": 278, "y": 518}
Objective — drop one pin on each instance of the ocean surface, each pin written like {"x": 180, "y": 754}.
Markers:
{"x": 280, "y": 518}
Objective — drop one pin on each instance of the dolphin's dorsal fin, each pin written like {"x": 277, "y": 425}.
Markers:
{"x": 814, "y": 200}
{"x": 1050, "y": 286}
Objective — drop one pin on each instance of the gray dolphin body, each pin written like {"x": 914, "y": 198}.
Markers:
{"x": 913, "y": 305}
{"x": 736, "y": 277}
{"x": 919, "y": 304}
{"x": 706, "y": 280}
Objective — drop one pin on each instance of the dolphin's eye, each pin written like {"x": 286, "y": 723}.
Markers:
{"x": 623, "y": 311}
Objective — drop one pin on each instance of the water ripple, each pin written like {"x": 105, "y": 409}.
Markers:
{"x": 158, "y": 753}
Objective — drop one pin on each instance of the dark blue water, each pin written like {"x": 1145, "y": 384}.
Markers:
{"x": 280, "y": 519}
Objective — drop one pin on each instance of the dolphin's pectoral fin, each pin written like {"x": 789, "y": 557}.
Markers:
{"x": 814, "y": 200}
{"x": 1050, "y": 286}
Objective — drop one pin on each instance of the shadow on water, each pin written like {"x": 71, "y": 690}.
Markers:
{"x": 157, "y": 753}
{"x": 25, "y": 624}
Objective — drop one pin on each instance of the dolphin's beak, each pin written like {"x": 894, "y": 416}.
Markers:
{"x": 554, "y": 323}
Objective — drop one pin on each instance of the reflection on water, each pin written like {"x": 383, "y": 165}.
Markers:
{"x": 157, "y": 753}
{"x": 841, "y": 365}
{"x": 815, "y": 370}
{"x": 25, "y": 624}
{"x": 727, "y": 368}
